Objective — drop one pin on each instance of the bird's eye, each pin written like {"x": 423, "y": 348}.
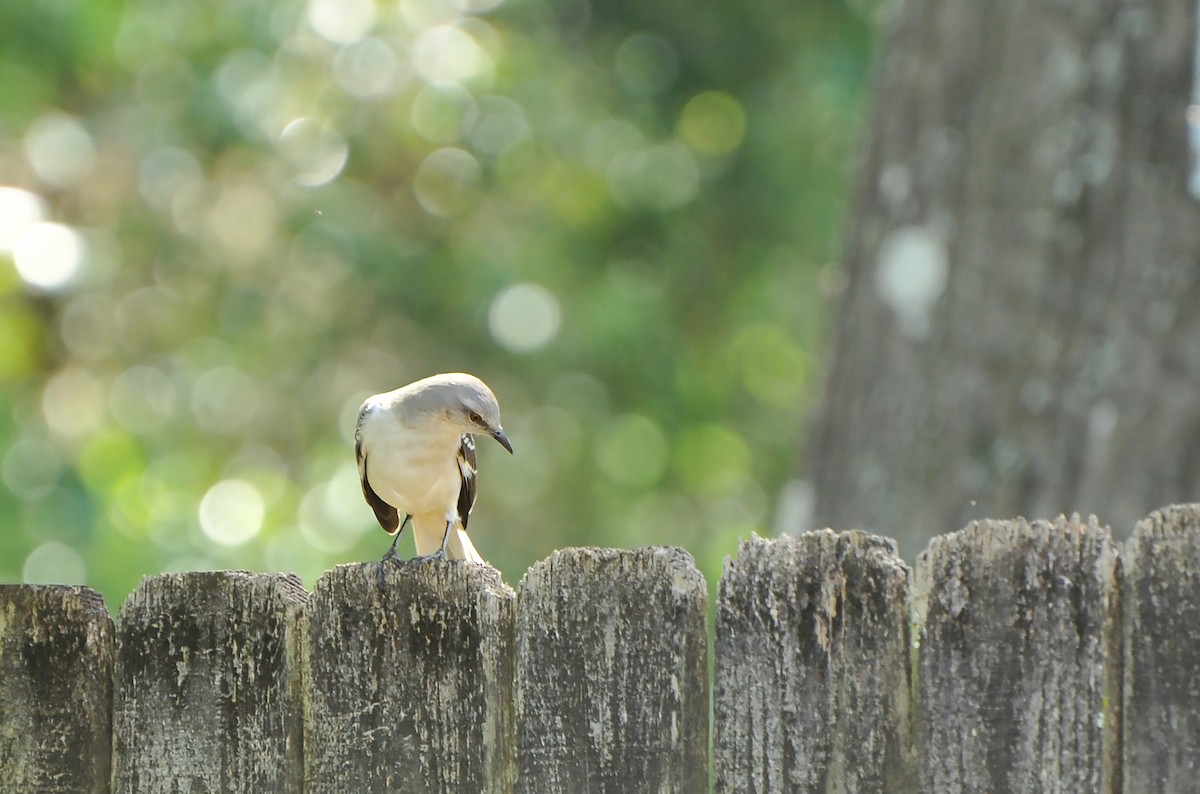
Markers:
{"x": 474, "y": 417}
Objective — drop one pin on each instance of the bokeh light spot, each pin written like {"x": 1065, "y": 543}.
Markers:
{"x": 712, "y": 459}
{"x": 316, "y": 152}
{"x": 54, "y": 563}
{"x": 48, "y": 255}
{"x": 632, "y": 450}
{"x": 773, "y": 367}
{"x": 232, "y": 512}
{"x": 31, "y": 468}
{"x": 142, "y": 398}
{"x": 60, "y": 150}
{"x": 448, "y": 54}
{"x": 911, "y": 276}
{"x": 712, "y": 123}
{"x": 341, "y": 21}
{"x": 448, "y": 182}
{"x": 500, "y": 125}
{"x": 476, "y": 6}
{"x": 645, "y": 64}
{"x": 368, "y": 68}
{"x": 524, "y": 317}
{"x": 443, "y": 113}
{"x": 332, "y": 515}
{"x": 73, "y": 402}
{"x": 19, "y": 211}
{"x": 243, "y": 219}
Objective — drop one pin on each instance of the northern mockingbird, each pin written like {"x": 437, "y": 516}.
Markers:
{"x": 416, "y": 457}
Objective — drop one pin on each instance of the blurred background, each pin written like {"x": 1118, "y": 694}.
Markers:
{"x": 222, "y": 225}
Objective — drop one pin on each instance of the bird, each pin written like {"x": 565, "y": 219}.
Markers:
{"x": 416, "y": 458}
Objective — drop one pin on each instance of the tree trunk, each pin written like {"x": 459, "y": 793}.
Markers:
{"x": 1020, "y": 330}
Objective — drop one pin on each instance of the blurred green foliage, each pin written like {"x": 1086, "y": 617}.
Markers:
{"x": 222, "y": 225}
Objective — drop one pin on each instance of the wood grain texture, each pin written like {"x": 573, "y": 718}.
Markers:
{"x": 1162, "y": 653}
{"x": 1018, "y": 675}
{"x": 408, "y": 674}
{"x": 206, "y": 684}
{"x": 56, "y": 659}
{"x": 812, "y": 661}
{"x": 612, "y": 686}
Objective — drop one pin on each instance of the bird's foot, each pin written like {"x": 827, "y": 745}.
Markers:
{"x": 437, "y": 556}
{"x": 390, "y": 557}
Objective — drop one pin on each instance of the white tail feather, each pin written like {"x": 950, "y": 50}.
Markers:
{"x": 427, "y": 536}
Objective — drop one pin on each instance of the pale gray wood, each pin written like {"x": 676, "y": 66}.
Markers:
{"x": 1031, "y": 158}
{"x": 1018, "y": 675}
{"x": 612, "y": 684}
{"x": 812, "y": 667}
{"x": 1162, "y": 653}
{"x": 56, "y": 658}
{"x": 207, "y": 684}
{"x": 409, "y": 669}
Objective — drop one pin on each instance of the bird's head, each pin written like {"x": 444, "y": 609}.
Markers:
{"x": 471, "y": 406}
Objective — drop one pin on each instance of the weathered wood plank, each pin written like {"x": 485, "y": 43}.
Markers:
{"x": 1018, "y": 678}
{"x": 409, "y": 675}
{"x": 612, "y": 685}
{"x": 1162, "y": 653}
{"x": 207, "y": 685}
{"x": 56, "y": 659}
{"x": 812, "y": 667}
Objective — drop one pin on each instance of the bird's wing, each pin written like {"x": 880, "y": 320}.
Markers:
{"x": 388, "y": 516}
{"x": 468, "y": 470}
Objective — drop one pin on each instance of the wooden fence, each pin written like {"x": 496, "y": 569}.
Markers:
{"x": 1016, "y": 657}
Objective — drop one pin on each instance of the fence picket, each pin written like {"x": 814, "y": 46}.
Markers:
{"x": 1162, "y": 653}
{"x": 1018, "y": 682}
{"x": 206, "y": 684}
{"x": 409, "y": 677}
{"x": 812, "y": 685}
{"x": 56, "y": 658}
{"x": 612, "y": 685}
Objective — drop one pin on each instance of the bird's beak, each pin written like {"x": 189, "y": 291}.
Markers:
{"x": 498, "y": 434}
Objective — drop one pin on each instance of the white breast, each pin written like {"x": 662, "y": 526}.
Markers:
{"x": 411, "y": 470}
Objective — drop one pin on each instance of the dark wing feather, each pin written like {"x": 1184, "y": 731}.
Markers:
{"x": 467, "y": 468}
{"x": 388, "y": 516}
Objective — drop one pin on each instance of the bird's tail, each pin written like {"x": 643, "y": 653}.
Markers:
{"x": 427, "y": 536}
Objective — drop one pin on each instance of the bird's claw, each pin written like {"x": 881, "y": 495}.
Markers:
{"x": 437, "y": 556}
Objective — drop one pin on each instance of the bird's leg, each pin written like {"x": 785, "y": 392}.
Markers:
{"x": 441, "y": 553}
{"x": 391, "y": 552}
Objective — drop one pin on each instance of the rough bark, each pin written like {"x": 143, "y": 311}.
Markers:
{"x": 409, "y": 673}
{"x": 206, "y": 684}
{"x": 1018, "y": 674}
{"x": 612, "y": 684}
{"x": 812, "y": 667}
{"x": 1162, "y": 649}
{"x": 56, "y": 659}
{"x": 1020, "y": 331}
